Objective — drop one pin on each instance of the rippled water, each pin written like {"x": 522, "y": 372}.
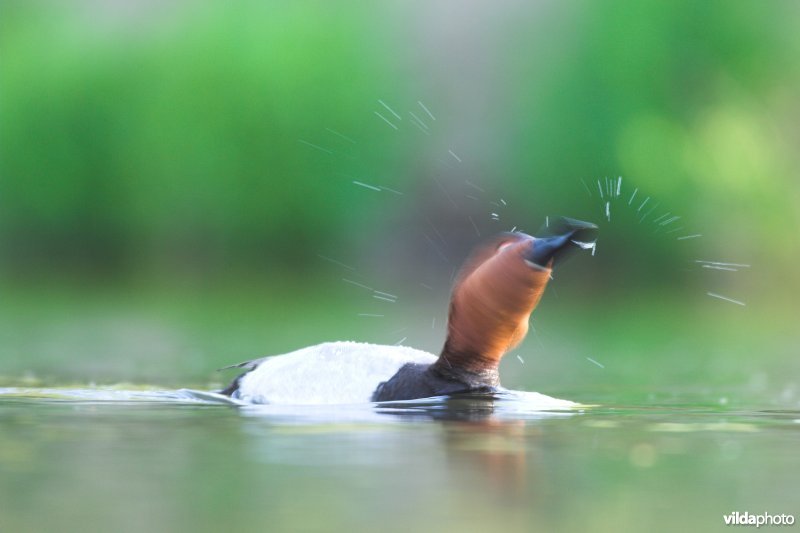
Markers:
{"x": 103, "y": 459}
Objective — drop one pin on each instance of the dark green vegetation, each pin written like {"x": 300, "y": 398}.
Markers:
{"x": 153, "y": 140}
{"x": 177, "y": 194}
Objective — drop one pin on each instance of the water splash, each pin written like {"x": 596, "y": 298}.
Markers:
{"x": 387, "y": 121}
{"x": 731, "y": 300}
{"x": 367, "y": 186}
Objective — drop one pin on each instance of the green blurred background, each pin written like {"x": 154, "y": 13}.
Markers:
{"x": 177, "y": 183}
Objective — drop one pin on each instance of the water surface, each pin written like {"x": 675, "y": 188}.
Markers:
{"x": 107, "y": 459}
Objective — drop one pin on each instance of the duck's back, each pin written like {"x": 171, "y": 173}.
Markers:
{"x": 328, "y": 373}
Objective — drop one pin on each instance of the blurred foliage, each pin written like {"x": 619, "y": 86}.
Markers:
{"x": 140, "y": 137}
{"x": 690, "y": 100}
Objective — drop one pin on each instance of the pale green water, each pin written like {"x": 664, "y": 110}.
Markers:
{"x": 695, "y": 417}
{"x": 99, "y": 460}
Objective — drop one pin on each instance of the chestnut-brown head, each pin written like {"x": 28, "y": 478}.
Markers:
{"x": 496, "y": 291}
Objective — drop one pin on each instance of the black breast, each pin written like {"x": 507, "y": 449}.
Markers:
{"x": 415, "y": 380}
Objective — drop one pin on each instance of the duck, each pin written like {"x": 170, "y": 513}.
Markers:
{"x": 493, "y": 295}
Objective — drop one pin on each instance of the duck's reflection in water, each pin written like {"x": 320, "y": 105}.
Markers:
{"x": 479, "y": 440}
{"x": 490, "y": 440}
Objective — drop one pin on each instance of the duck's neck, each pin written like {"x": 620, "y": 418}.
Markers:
{"x": 475, "y": 370}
